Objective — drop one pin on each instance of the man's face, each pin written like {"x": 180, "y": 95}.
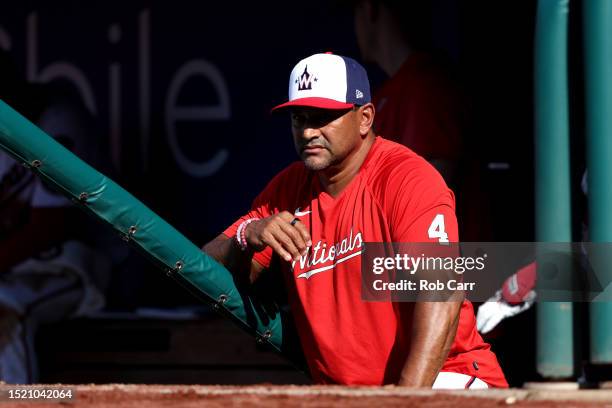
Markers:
{"x": 325, "y": 137}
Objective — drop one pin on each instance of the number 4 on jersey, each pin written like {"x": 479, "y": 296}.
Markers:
{"x": 436, "y": 229}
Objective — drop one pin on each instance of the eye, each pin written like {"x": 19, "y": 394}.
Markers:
{"x": 322, "y": 118}
{"x": 298, "y": 119}
{"x": 328, "y": 117}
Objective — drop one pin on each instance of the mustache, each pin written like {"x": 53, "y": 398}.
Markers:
{"x": 312, "y": 144}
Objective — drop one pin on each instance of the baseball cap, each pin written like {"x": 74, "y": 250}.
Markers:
{"x": 327, "y": 81}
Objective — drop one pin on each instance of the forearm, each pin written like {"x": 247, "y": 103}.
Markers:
{"x": 222, "y": 249}
{"x": 433, "y": 331}
{"x": 225, "y": 250}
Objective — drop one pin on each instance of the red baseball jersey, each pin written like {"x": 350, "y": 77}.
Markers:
{"x": 395, "y": 197}
{"x": 420, "y": 107}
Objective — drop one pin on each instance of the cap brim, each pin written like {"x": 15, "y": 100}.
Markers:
{"x": 322, "y": 103}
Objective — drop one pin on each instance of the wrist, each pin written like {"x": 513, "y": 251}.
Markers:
{"x": 240, "y": 236}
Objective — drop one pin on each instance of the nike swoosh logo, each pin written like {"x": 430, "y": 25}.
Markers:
{"x": 299, "y": 213}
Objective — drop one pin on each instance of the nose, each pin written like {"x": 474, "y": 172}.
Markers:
{"x": 309, "y": 132}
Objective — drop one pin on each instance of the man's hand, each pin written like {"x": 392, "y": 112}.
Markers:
{"x": 283, "y": 232}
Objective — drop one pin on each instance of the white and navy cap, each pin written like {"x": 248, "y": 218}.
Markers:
{"x": 328, "y": 81}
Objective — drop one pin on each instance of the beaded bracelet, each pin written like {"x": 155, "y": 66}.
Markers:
{"x": 241, "y": 233}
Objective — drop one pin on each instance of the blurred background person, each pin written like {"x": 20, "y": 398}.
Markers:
{"x": 49, "y": 269}
{"x": 421, "y": 104}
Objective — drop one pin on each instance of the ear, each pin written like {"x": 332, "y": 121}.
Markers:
{"x": 366, "y": 118}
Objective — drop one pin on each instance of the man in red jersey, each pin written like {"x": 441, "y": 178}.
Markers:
{"x": 352, "y": 187}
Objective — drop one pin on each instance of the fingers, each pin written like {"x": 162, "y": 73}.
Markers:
{"x": 282, "y": 244}
{"x": 286, "y": 236}
{"x": 279, "y": 248}
{"x": 296, "y": 239}
{"x": 303, "y": 232}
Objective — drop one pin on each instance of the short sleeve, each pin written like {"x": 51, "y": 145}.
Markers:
{"x": 272, "y": 200}
{"x": 264, "y": 258}
{"x": 438, "y": 224}
{"x": 423, "y": 207}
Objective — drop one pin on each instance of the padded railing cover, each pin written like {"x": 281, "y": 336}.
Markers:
{"x": 164, "y": 245}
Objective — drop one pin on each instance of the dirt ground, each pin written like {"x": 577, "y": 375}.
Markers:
{"x": 157, "y": 396}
